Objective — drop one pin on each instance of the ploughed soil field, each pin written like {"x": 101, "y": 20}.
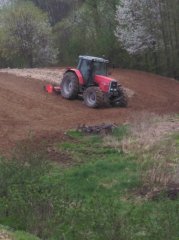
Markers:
{"x": 26, "y": 110}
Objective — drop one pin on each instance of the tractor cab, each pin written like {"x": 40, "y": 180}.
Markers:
{"x": 90, "y": 66}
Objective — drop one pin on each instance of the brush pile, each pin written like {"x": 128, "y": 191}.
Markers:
{"x": 97, "y": 129}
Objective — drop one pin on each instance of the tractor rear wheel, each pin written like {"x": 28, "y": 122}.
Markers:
{"x": 122, "y": 99}
{"x": 93, "y": 97}
{"x": 70, "y": 86}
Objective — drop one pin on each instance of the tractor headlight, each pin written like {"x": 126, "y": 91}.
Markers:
{"x": 113, "y": 87}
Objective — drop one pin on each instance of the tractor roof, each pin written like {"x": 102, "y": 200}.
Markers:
{"x": 95, "y": 59}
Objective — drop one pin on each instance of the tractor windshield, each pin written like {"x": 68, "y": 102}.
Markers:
{"x": 100, "y": 68}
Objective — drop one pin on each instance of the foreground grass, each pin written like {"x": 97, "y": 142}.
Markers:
{"x": 96, "y": 198}
{"x": 9, "y": 234}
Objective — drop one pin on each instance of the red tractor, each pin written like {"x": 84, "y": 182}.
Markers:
{"x": 91, "y": 80}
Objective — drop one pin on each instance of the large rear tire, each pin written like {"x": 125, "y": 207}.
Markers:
{"x": 93, "y": 97}
{"x": 70, "y": 86}
{"x": 122, "y": 98}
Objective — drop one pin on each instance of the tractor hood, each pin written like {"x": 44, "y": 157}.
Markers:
{"x": 104, "y": 82}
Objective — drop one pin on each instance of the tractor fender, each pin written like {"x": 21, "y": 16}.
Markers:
{"x": 78, "y": 74}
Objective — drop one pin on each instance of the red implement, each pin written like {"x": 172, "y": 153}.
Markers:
{"x": 49, "y": 88}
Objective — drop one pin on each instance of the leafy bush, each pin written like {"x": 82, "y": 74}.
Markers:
{"x": 21, "y": 191}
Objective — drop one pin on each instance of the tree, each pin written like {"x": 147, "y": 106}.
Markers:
{"x": 150, "y": 30}
{"x": 135, "y": 18}
{"x": 4, "y": 2}
{"x": 26, "y": 35}
{"x": 56, "y": 9}
{"x": 89, "y": 30}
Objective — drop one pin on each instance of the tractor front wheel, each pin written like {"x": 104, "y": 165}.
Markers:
{"x": 70, "y": 86}
{"x": 93, "y": 97}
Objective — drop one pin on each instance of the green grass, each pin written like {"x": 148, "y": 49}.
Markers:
{"x": 120, "y": 132}
{"x": 16, "y": 235}
{"x": 95, "y": 198}
{"x": 85, "y": 148}
{"x": 176, "y": 138}
{"x": 20, "y": 235}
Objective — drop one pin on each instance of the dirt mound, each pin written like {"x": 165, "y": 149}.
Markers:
{"x": 26, "y": 110}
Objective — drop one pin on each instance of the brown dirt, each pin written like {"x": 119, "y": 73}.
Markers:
{"x": 26, "y": 110}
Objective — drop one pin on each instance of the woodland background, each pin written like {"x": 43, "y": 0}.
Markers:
{"x": 138, "y": 34}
